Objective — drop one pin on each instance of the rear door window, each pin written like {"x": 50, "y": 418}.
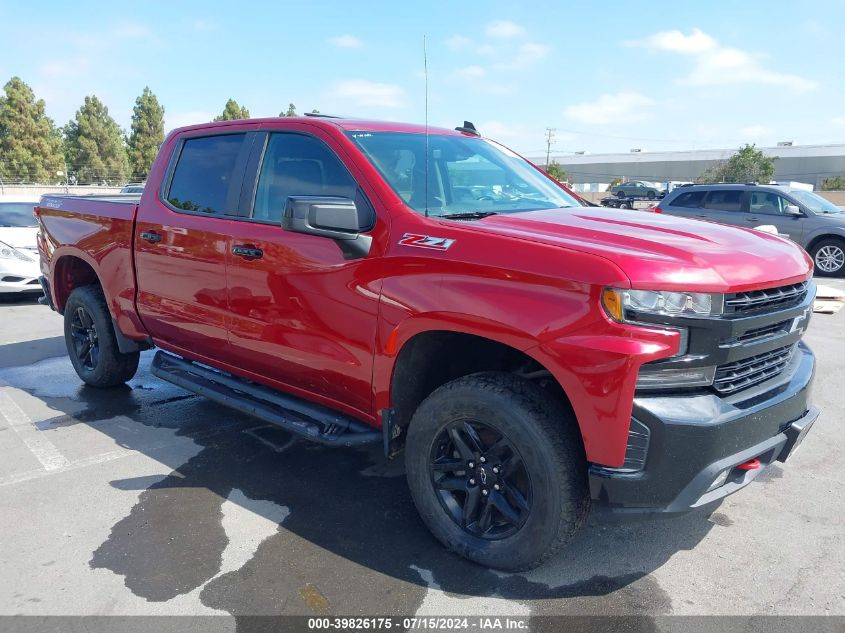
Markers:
{"x": 691, "y": 199}
{"x": 208, "y": 174}
{"x": 724, "y": 200}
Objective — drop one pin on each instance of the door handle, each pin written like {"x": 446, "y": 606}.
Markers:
{"x": 752, "y": 219}
{"x": 151, "y": 236}
{"x": 247, "y": 252}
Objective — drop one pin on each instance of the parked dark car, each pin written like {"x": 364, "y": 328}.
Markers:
{"x": 635, "y": 189}
{"x": 805, "y": 217}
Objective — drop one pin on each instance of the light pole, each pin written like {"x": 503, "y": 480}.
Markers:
{"x": 550, "y": 135}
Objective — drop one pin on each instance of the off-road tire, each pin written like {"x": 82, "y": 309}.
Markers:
{"x": 112, "y": 368}
{"x": 547, "y": 437}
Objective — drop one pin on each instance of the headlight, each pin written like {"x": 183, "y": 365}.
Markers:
{"x": 621, "y": 305}
{"x": 629, "y": 306}
{"x": 10, "y": 252}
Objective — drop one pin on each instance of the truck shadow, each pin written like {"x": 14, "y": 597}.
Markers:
{"x": 345, "y": 537}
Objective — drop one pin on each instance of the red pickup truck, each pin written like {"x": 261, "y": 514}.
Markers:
{"x": 428, "y": 289}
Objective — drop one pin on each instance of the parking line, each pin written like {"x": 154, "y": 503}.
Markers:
{"x": 37, "y": 443}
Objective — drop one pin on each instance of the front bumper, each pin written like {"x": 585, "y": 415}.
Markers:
{"x": 696, "y": 437}
{"x": 19, "y": 276}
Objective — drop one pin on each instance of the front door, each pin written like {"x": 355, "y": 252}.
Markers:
{"x": 768, "y": 207}
{"x": 302, "y": 314}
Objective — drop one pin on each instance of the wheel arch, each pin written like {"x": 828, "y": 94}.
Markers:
{"x": 813, "y": 242}
{"x": 71, "y": 270}
{"x": 430, "y": 358}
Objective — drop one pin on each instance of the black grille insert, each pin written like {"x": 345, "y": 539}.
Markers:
{"x": 766, "y": 331}
{"x": 750, "y": 371}
{"x": 768, "y": 299}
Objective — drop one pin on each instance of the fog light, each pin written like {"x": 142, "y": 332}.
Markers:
{"x": 720, "y": 480}
{"x": 656, "y": 377}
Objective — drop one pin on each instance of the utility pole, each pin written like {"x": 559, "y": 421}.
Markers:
{"x": 550, "y": 137}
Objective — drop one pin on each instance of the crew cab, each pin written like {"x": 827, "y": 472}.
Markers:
{"x": 428, "y": 289}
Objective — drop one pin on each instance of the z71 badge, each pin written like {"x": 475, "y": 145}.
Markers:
{"x": 426, "y": 241}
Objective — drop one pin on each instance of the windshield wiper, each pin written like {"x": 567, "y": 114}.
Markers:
{"x": 468, "y": 215}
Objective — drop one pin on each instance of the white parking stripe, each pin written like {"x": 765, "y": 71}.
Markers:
{"x": 35, "y": 440}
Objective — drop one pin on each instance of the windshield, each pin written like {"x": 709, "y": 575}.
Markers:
{"x": 469, "y": 177}
{"x": 815, "y": 202}
{"x": 17, "y": 214}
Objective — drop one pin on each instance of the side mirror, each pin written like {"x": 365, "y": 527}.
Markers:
{"x": 332, "y": 217}
{"x": 793, "y": 209}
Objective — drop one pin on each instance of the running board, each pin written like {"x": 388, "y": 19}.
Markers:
{"x": 311, "y": 421}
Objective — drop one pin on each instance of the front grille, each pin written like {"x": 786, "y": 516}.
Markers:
{"x": 760, "y": 333}
{"x": 747, "y": 372}
{"x": 768, "y": 299}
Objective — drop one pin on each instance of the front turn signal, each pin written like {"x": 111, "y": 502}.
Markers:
{"x": 612, "y": 302}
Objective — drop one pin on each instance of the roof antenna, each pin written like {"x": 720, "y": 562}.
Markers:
{"x": 425, "y": 72}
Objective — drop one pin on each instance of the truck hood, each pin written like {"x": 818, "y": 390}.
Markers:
{"x": 664, "y": 252}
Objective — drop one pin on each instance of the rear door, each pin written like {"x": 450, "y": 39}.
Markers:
{"x": 181, "y": 242}
{"x": 301, "y": 313}
{"x": 769, "y": 207}
{"x": 726, "y": 206}
{"x": 687, "y": 204}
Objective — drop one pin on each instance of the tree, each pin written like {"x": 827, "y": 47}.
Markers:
{"x": 833, "y": 184}
{"x": 94, "y": 145}
{"x": 233, "y": 111}
{"x": 291, "y": 111}
{"x": 147, "y": 134}
{"x": 746, "y": 165}
{"x": 556, "y": 171}
{"x": 30, "y": 144}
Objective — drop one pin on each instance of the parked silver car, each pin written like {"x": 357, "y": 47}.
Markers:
{"x": 635, "y": 189}
{"x": 805, "y": 217}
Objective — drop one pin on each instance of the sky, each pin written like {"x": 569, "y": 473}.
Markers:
{"x": 607, "y": 77}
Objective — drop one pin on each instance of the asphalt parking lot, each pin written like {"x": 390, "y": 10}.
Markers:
{"x": 149, "y": 500}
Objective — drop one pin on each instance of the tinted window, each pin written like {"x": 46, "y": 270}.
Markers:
{"x": 205, "y": 173}
{"x": 689, "y": 199}
{"x": 17, "y": 214}
{"x": 725, "y": 200}
{"x": 298, "y": 165}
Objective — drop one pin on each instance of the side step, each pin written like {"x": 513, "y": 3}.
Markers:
{"x": 306, "y": 419}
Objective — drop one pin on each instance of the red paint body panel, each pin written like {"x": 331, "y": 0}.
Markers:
{"x": 305, "y": 320}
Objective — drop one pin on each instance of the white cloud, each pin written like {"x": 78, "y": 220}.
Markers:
{"x": 65, "y": 68}
{"x": 487, "y": 50}
{"x": 346, "y": 41}
{"x": 715, "y": 64}
{"x": 504, "y": 29}
{"x": 361, "y": 92}
{"x": 181, "y": 119}
{"x": 469, "y": 72}
{"x": 203, "y": 26}
{"x": 755, "y": 132}
{"x": 621, "y": 107}
{"x": 677, "y": 42}
{"x": 131, "y": 31}
{"x": 458, "y": 42}
{"x": 526, "y": 54}
{"x": 839, "y": 121}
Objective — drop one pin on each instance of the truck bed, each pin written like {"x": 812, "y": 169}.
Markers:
{"x": 93, "y": 231}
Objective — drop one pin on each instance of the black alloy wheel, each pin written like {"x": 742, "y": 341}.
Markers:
{"x": 86, "y": 342}
{"x": 480, "y": 479}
